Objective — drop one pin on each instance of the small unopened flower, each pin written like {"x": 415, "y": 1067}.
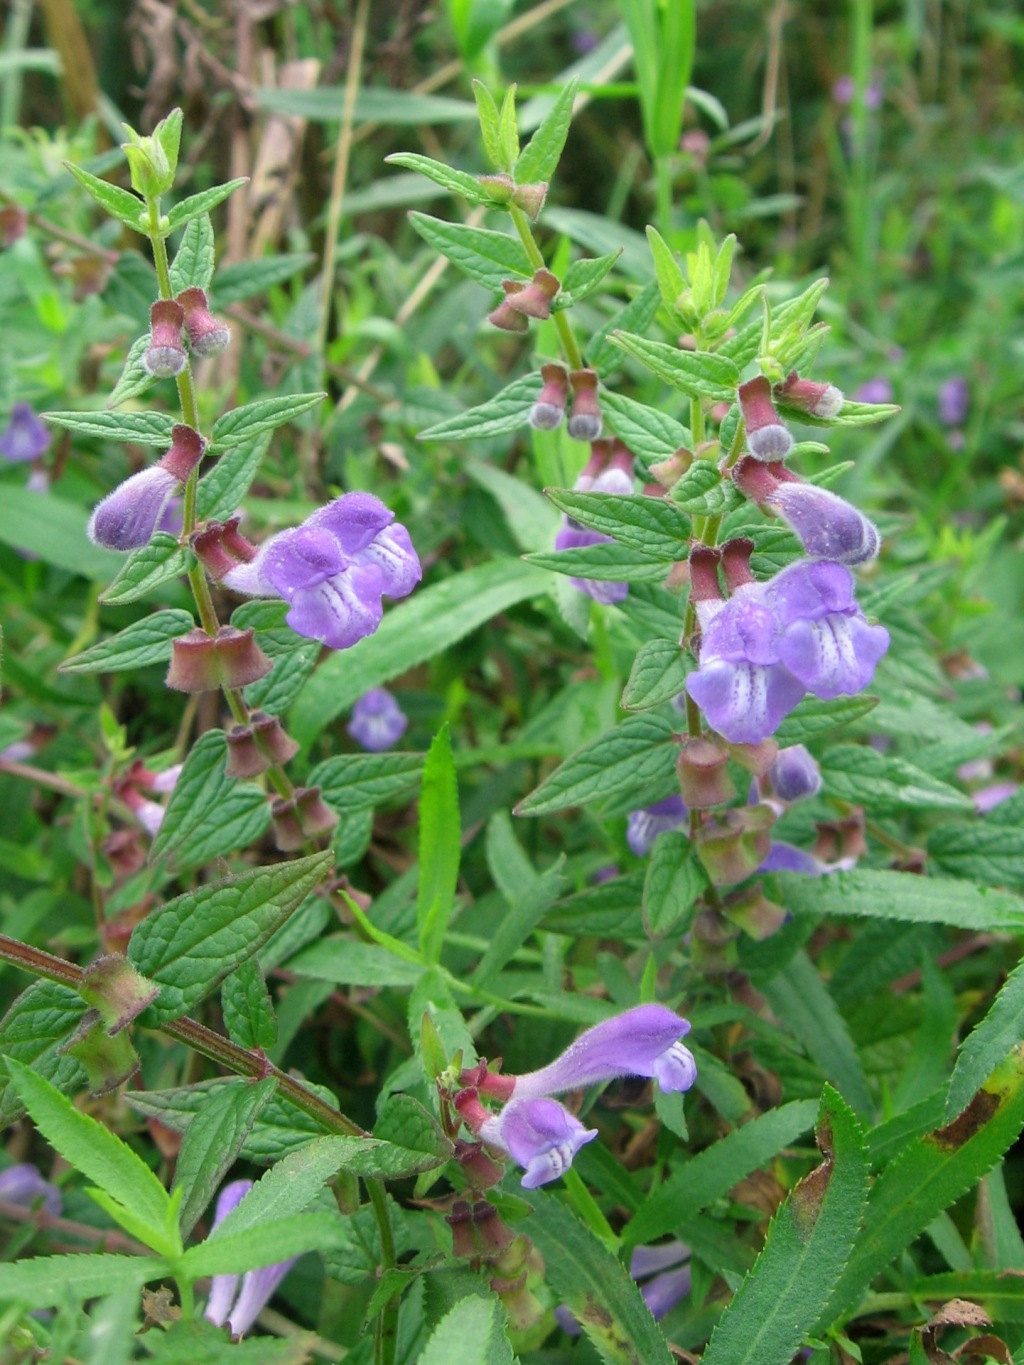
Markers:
{"x": 334, "y": 569}
{"x": 876, "y": 390}
{"x": 23, "y": 1184}
{"x": 827, "y": 525}
{"x": 795, "y": 775}
{"x": 954, "y": 400}
{"x": 505, "y": 317}
{"x": 127, "y": 518}
{"x": 538, "y": 1134}
{"x": 165, "y": 356}
{"x": 255, "y": 747}
{"x": 809, "y": 395}
{"x": 206, "y": 336}
{"x": 377, "y": 722}
{"x": 25, "y": 437}
{"x": 301, "y": 817}
{"x": 533, "y": 300}
{"x": 987, "y": 798}
{"x": 221, "y": 547}
{"x": 549, "y": 409}
{"x": 585, "y": 414}
{"x": 644, "y": 825}
{"x": 231, "y": 1305}
{"x": 767, "y": 438}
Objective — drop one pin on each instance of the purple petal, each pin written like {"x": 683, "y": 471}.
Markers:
{"x": 810, "y": 589}
{"x": 23, "y": 1184}
{"x": 663, "y": 1292}
{"x": 650, "y": 1260}
{"x": 127, "y": 517}
{"x": 354, "y": 520}
{"x": 222, "y": 1287}
{"x": 574, "y": 537}
{"x": 613, "y": 480}
{"x": 783, "y": 857}
{"x": 298, "y": 560}
{"x": 644, "y": 825}
{"x": 743, "y": 630}
{"x": 641, "y": 1042}
{"x": 987, "y": 798}
{"x": 828, "y": 526}
{"x": 606, "y": 591}
{"x": 377, "y": 721}
{"x": 954, "y": 400}
{"x": 744, "y": 702}
{"x": 834, "y": 655}
{"x": 392, "y": 552}
{"x": 340, "y": 611}
{"x": 25, "y": 438}
{"x": 257, "y": 1289}
{"x": 877, "y": 390}
{"x": 795, "y": 775}
{"x": 540, "y": 1135}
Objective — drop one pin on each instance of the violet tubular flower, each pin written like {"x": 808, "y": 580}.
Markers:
{"x": 827, "y": 525}
{"x": 377, "y": 722}
{"x": 538, "y": 1134}
{"x": 571, "y": 536}
{"x": 23, "y": 1184}
{"x": 334, "y": 569}
{"x": 795, "y": 775}
{"x": 644, "y": 825}
{"x": 661, "y": 1272}
{"x": 25, "y": 437}
{"x": 236, "y": 1306}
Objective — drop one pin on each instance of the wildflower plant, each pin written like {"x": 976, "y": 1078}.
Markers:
{"x": 694, "y": 1139}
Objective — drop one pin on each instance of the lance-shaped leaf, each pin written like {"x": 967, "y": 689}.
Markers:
{"x": 508, "y": 410}
{"x": 148, "y": 568}
{"x": 144, "y": 642}
{"x": 473, "y": 1333}
{"x": 38, "y": 1023}
{"x": 141, "y": 428}
{"x": 209, "y": 814}
{"x": 632, "y": 757}
{"x": 658, "y": 674}
{"x": 701, "y": 374}
{"x": 459, "y": 182}
{"x": 49, "y": 1281}
{"x": 269, "y": 1243}
{"x": 855, "y": 772}
{"x": 190, "y": 944}
{"x": 612, "y": 563}
{"x": 135, "y": 378}
{"x": 221, "y": 490}
{"x": 439, "y": 846}
{"x": 247, "y": 1007}
{"x": 242, "y": 279}
{"x": 486, "y": 256}
{"x": 354, "y": 782}
{"x": 649, "y": 432}
{"x": 193, "y": 262}
{"x": 808, "y": 1244}
{"x": 651, "y": 525}
{"x": 866, "y": 893}
{"x": 248, "y": 421}
{"x": 538, "y": 159}
{"x": 201, "y": 203}
{"x": 675, "y": 878}
{"x": 814, "y": 717}
{"x": 981, "y": 851}
{"x": 988, "y": 1043}
{"x": 213, "y": 1141}
{"x": 120, "y": 204}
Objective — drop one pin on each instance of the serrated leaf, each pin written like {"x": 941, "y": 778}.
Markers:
{"x": 39, "y": 1021}
{"x": 48, "y": 1281}
{"x": 222, "y": 489}
{"x": 634, "y": 755}
{"x": 209, "y": 814}
{"x": 273, "y": 1240}
{"x": 247, "y": 1007}
{"x": 583, "y": 277}
{"x": 141, "y": 428}
{"x": 202, "y": 202}
{"x": 213, "y": 1142}
{"x": 980, "y": 851}
{"x": 198, "y": 1342}
{"x": 1000, "y": 1292}
{"x": 1001, "y": 1030}
{"x": 508, "y": 132}
{"x": 669, "y": 273}
{"x": 701, "y": 374}
{"x": 674, "y": 880}
{"x": 147, "y": 568}
{"x": 458, "y": 182}
{"x": 594, "y": 1286}
{"x": 121, "y": 204}
{"x": 191, "y": 943}
{"x": 813, "y": 718}
{"x": 294, "y": 660}
{"x": 354, "y": 782}
{"x": 440, "y": 846}
{"x": 265, "y": 414}
{"x": 658, "y": 675}
{"x": 649, "y": 432}
{"x": 652, "y": 525}
{"x": 135, "y": 379}
{"x": 711, "y": 1174}
{"x": 347, "y": 963}
{"x": 472, "y": 1333}
{"x": 244, "y": 279}
{"x": 808, "y": 1244}
{"x": 486, "y": 256}
{"x": 539, "y": 158}
{"x": 857, "y": 773}
{"x": 144, "y": 642}
{"x": 902, "y": 896}
{"x": 850, "y": 415}
{"x": 490, "y": 131}
{"x": 610, "y": 563}
{"x": 506, "y": 411}
{"x": 193, "y": 262}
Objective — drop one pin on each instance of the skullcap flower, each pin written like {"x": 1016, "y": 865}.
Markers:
{"x": 644, "y": 825}
{"x": 25, "y": 437}
{"x": 22, "y": 1183}
{"x": 227, "y": 1303}
{"x": 378, "y": 722}
{"x": 540, "y": 1135}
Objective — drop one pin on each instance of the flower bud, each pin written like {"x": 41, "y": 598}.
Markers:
{"x": 585, "y": 414}
{"x": 25, "y": 438}
{"x": 794, "y": 775}
{"x": 202, "y": 663}
{"x": 505, "y": 316}
{"x": 13, "y": 222}
{"x": 530, "y": 198}
{"x": 221, "y": 547}
{"x": 124, "y": 852}
{"x": 206, "y": 336}
{"x": 703, "y": 774}
{"x": 460, "y": 1220}
{"x": 165, "y": 356}
{"x": 549, "y": 409}
{"x": 820, "y": 400}
{"x": 500, "y": 187}
{"x": 841, "y": 840}
{"x": 187, "y": 449}
{"x": 126, "y": 518}
{"x": 533, "y": 299}
{"x": 827, "y": 525}
{"x": 704, "y": 584}
{"x": 767, "y": 438}
{"x": 303, "y": 816}
{"x": 255, "y": 747}
{"x": 754, "y": 913}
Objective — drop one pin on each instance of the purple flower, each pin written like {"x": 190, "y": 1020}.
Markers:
{"x": 794, "y": 775}
{"x": 827, "y": 525}
{"x": 23, "y": 1184}
{"x": 127, "y": 517}
{"x": 644, "y": 825}
{"x": 241, "y": 1310}
{"x": 954, "y": 400}
{"x": 987, "y": 798}
{"x": 540, "y": 1135}
{"x": 334, "y": 569}
{"x": 783, "y": 857}
{"x": 844, "y": 89}
{"x": 661, "y": 1275}
{"x": 876, "y": 390}
{"x": 573, "y": 536}
{"x": 377, "y": 720}
{"x": 643, "y": 1041}
{"x": 25, "y": 438}
{"x": 824, "y": 640}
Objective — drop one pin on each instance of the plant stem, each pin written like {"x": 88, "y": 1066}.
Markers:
{"x": 385, "y": 1341}
{"x": 536, "y": 258}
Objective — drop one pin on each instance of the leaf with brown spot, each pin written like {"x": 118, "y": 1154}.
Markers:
{"x": 960, "y": 1313}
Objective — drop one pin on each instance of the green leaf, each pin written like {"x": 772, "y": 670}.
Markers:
{"x": 141, "y": 428}
{"x": 265, "y": 414}
{"x": 611, "y": 563}
{"x": 490, "y": 131}
{"x": 526, "y": 910}
{"x": 649, "y": 432}
{"x": 988, "y": 1042}
{"x": 430, "y": 621}
{"x": 506, "y": 411}
{"x": 440, "y": 847}
{"x": 583, "y": 277}
{"x": 272, "y": 1241}
{"x": 346, "y": 963}
{"x": 294, "y": 660}
{"x": 531, "y": 518}
{"x": 486, "y": 256}
{"x": 458, "y": 182}
{"x": 247, "y": 1008}
{"x": 193, "y": 262}
{"x": 813, "y": 718}
{"x": 202, "y": 202}
{"x": 674, "y": 880}
{"x": 135, "y": 379}
{"x": 1000, "y": 1292}
{"x": 980, "y": 851}
{"x": 192, "y": 943}
{"x": 671, "y": 280}
{"x": 809, "y": 1242}
{"x": 54, "y": 530}
{"x": 652, "y": 525}
{"x": 857, "y": 773}
{"x": 198, "y": 1342}
{"x": 213, "y": 1142}
{"x": 354, "y": 782}
{"x": 508, "y": 132}
{"x": 144, "y": 642}
{"x": 610, "y": 910}
{"x": 928, "y": 1176}
{"x": 658, "y": 674}
{"x": 221, "y": 491}
{"x": 473, "y": 1333}
{"x": 634, "y": 755}
{"x": 40, "y": 1020}
{"x": 800, "y": 998}
{"x": 711, "y": 1174}
{"x": 148, "y": 568}
{"x": 701, "y": 374}
{"x": 864, "y": 893}
{"x": 585, "y": 1276}
{"x": 49, "y": 1281}
{"x": 244, "y": 279}
{"x": 850, "y": 415}
{"x": 602, "y": 352}
{"x": 539, "y": 158}
{"x": 101, "y": 1157}
{"x": 209, "y": 814}
{"x": 120, "y": 204}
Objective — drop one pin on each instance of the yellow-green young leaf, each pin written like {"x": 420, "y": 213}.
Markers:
{"x": 701, "y": 374}
{"x": 147, "y": 568}
{"x": 928, "y": 1176}
{"x": 192, "y": 943}
{"x": 49, "y": 1281}
{"x": 209, "y": 814}
{"x": 242, "y": 424}
{"x": 539, "y": 158}
{"x": 633, "y": 757}
{"x": 508, "y": 133}
{"x": 144, "y": 642}
{"x": 193, "y": 261}
{"x": 459, "y": 182}
{"x": 490, "y": 126}
{"x": 213, "y": 1141}
{"x": 651, "y": 525}
{"x": 202, "y": 202}
{"x": 486, "y": 256}
{"x": 120, "y": 204}
{"x": 671, "y": 280}
{"x": 439, "y": 846}
{"x": 809, "y": 1242}
{"x": 473, "y": 1333}
{"x": 103, "y": 1158}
